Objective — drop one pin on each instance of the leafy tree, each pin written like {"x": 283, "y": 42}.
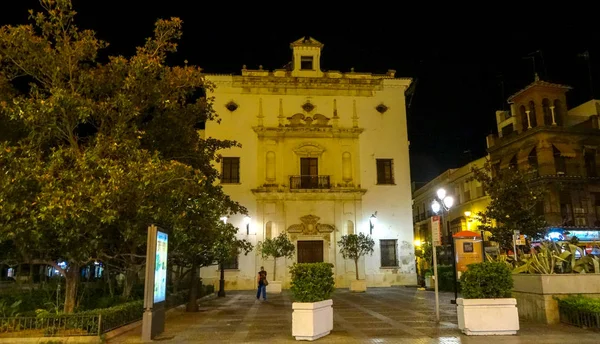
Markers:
{"x": 278, "y": 247}
{"x": 228, "y": 245}
{"x": 353, "y": 246}
{"x": 198, "y": 232}
{"x": 514, "y": 200}
{"x": 93, "y": 152}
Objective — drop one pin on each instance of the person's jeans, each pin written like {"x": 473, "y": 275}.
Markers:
{"x": 263, "y": 288}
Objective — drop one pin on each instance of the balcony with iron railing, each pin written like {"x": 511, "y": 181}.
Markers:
{"x": 307, "y": 182}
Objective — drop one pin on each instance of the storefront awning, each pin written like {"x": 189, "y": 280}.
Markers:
{"x": 565, "y": 150}
{"x": 524, "y": 153}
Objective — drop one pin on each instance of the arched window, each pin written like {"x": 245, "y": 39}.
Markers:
{"x": 532, "y": 114}
{"x": 532, "y": 159}
{"x": 270, "y": 166}
{"x": 558, "y": 112}
{"x": 349, "y": 227}
{"x": 547, "y": 111}
{"x": 346, "y": 167}
{"x": 513, "y": 163}
{"x": 269, "y": 230}
{"x": 524, "y": 121}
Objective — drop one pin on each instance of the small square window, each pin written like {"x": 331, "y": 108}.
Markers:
{"x": 306, "y": 63}
{"x": 232, "y": 264}
{"x": 230, "y": 173}
{"x": 389, "y": 253}
{"x": 385, "y": 171}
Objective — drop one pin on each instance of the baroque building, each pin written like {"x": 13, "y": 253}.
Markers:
{"x": 557, "y": 147}
{"x": 324, "y": 154}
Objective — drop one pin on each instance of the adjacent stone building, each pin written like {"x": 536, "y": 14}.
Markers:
{"x": 558, "y": 147}
{"x": 324, "y": 154}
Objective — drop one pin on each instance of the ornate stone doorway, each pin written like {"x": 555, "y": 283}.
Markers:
{"x": 310, "y": 251}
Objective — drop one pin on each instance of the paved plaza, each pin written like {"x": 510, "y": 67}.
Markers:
{"x": 382, "y": 315}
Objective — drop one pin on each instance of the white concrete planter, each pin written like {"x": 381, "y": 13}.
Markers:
{"x": 429, "y": 282}
{"x": 312, "y": 320}
{"x": 358, "y": 286}
{"x": 274, "y": 287}
{"x": 485, "y": 317}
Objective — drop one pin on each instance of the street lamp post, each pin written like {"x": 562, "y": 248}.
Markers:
{"x": 442, "y": 202}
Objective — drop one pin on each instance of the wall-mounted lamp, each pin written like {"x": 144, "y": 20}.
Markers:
{"x": 467, "y": 213}
{"x": 247, "y": 223}
{"x": 224, "y": 219}
{"x": 372, "y": 222}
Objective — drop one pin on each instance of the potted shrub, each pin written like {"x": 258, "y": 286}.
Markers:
{"x": 486, "y": 307}
{"x": 281, "y": 246}
{"x": 428, "y": 278}
{"x": 353, "y": 246}
{"x": 312, "y": 285}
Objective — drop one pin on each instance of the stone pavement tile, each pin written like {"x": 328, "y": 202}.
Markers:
{"x": 382, "y": 315}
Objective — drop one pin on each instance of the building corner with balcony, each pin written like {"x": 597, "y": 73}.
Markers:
{"x": 322, "y": 152}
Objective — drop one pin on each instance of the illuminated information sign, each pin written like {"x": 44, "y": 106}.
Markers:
{"x": 160, "y": 268}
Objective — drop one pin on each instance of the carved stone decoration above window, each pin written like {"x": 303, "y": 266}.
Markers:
{"x": 310, "y": 226}
{"x": 308, "y": 107}
{"x": 301, "y": 120}
{"x": 309, "y": 149}
{"x": 232, "y": 106}
{"x": 381, "y": 108}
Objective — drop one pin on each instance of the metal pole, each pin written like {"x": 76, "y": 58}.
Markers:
{"x": 483, "y": 245}
{"x": 515, "y": 245}
{"x": 435, "y": 277}
{"x": 454, "y": 271}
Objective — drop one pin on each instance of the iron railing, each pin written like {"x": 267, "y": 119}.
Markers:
{"x": 575, "y": 317}
{"x": 309, "y": 182}
{"x": 53, "y": 326}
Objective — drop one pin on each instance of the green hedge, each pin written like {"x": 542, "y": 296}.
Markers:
{"x": 312, "y": 282}
{"x": 87, "y": 322}
{"x": 487, "y": 280}
{"x": 580, "y": 303}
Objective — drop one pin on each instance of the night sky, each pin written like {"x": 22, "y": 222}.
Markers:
{"x": 460, "y": 62}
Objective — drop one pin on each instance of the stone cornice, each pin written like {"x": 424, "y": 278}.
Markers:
{"x": 309, "y": 195}
{"x": 319, "y": 132}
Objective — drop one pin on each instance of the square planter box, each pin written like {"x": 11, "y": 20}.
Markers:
{"x": 274, "y": 287}
{"x": 358, "y": 286}
{"x": 536, "y": 293}
{"x": 429, "y": 282}
{"x": 312, "y": 320}
{"x": 485, "y": 317}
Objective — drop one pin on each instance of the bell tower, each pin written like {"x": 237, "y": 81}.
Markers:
{"x": 306, "y": 57}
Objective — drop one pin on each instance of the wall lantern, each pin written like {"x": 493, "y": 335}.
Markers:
{"x": 247, "y": 223}
{"x": 372, "y": 222}
{"x": 224, "y": 219}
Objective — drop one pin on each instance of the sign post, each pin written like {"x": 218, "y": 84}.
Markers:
{"x": 155, "y": 287}
{"x": 515, "y": 236}
{"x": 436, "y": 237}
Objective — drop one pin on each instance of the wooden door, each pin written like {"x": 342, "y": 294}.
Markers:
{"x": 309, "y": 173}
{"x": 310, "y": 251}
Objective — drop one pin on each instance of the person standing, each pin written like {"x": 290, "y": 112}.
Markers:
{"x": 262, "y": 284}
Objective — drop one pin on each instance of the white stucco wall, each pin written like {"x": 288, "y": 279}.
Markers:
{"x": 260, "y": 123}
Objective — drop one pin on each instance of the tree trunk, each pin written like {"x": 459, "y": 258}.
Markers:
{"x": 177, "y": 279}
{"x": 356, "y": 266}
{"x": 109, "y": 280}
{"x": 71, "y": 284}
{"x": 130, "y": 275}
{"x": 274, "y": 268}
{"x": 18, "y": 275}
{"x": 192, "y": 305}
{"x": 221, "y": 292}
